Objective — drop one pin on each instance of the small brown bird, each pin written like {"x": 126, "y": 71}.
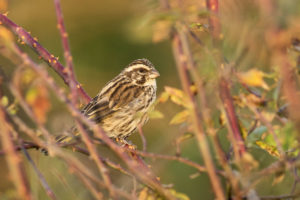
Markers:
{"x": 122, "y": 105}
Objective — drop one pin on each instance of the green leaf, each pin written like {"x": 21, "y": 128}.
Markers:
{"x": 257, "y": 134}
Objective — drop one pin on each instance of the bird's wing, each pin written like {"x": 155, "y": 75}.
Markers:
{"x": 104, "y": 105}
{"x": 124, "y": 97}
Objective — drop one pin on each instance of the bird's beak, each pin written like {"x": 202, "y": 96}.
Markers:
{"x": 154, "y": 74}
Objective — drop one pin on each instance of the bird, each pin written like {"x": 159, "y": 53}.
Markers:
{"x": 122, "y": 105}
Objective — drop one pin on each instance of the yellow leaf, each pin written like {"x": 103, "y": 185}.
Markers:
{"x": 147, "y": 194}
{"x": 177, "y": 96}
{"x": 174, "y": 91}
{"x": 272, "y": 150}
{"x": 278, "y": 178}
{"x": 155, "y": 114}
{"x": 178, "y": 195}
{"x": 4, "y": 101}
{"x": 180, "y": 117}
{"x": 163, "y": 97}
{"x": 253, "y": 77}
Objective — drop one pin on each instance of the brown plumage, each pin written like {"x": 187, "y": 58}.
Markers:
{"x": 124, "y": 102}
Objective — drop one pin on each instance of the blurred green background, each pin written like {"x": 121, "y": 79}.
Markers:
{"x": 105, "y": 36}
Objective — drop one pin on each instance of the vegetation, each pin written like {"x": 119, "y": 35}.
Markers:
{"x": 229, "y": 128}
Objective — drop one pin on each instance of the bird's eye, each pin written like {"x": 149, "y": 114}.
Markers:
{"x": 142, "y": 70}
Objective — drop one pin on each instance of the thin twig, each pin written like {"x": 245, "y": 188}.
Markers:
{"x": 134, "y": 163}
{"x": 93, "y": 151}
{"x": 181, "y": 63}
{"x": 144, "y": 141}
{"x": 233, "y": 123}
{"x": 281, "y": 197}
{"x": 14, "y": 160}
{"x": 185, "y": 161}
{"x": 42, "y": 179}
{"x": 66, "y": 47}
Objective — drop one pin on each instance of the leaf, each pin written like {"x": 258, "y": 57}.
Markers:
{"x": 155, "y": 114}
{"x": 254, "y": 77}
{"x": 278, "y": 178}
{"x": 180, "y": 117}
{"x": 37, "y": 98}
{"x": 271, "y": 149}
{"x": 257, "y": 134}
{"x": 163, "y": 97}
{"x": 147, "y": 194}
{"x": 178, "y": 195}
{"x": 4, "y": 101}
{"x": 177, "y": 96}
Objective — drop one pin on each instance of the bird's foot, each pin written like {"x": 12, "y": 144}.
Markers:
{"x": 125, "y": 143}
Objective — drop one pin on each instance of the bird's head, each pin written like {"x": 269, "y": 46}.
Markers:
{"x": 141, "y": 72}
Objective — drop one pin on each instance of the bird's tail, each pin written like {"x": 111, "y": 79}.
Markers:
{"x": 66, "y": 138}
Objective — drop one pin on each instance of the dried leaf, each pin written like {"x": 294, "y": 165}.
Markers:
{"x": 180, "y": 117}
{"x": 254, "y": 77}
{"x": 37, "y": 98}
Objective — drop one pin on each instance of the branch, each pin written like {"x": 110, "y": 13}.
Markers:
{"x": 134, "y": 163}
{"x": 14, "y": 160}
{"x": 43, "y": 53}
{"x": 236, "y": 138}
{"x": 181, "y": 62}
{"x": 66, "y": 47}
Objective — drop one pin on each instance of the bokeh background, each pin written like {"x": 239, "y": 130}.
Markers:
{"x": 105, "y": 36}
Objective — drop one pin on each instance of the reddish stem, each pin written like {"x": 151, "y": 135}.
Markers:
{"x": 231, "y": 116}
{"x": 66, "y": 47}
{"x": 43, "y": 53}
